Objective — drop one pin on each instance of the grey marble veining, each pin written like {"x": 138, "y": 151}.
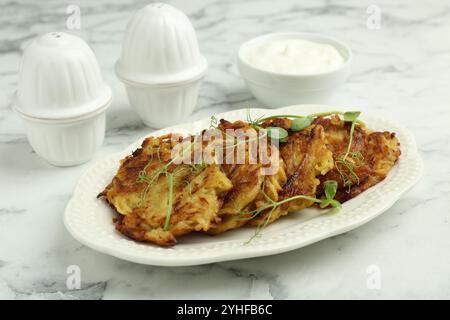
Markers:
{"x": 401, "y": 70}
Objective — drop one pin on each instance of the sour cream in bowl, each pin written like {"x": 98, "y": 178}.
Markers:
{"x": 291, "y": 68}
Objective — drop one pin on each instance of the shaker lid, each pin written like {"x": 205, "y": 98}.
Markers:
{"x": 60, "y": 78}
{"x": 160, "y": 47}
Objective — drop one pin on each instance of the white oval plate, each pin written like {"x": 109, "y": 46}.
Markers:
{"x": 89, "y": 219}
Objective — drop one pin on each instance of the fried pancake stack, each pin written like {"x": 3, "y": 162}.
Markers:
{"x": 158, "y": 200}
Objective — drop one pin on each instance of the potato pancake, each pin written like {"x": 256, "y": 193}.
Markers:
{"x": 193, "y": 196}
{"x": 306, "y": 157}
{"x": 247, "y": 179}
{"x": 372, "y": 155}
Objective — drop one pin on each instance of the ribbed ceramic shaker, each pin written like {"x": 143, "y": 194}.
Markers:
{"x": 62, "y": 98}
{"x": 161, "y": 65}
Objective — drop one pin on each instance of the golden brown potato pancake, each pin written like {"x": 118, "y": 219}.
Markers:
{"x": 247, "y": 179}
{"x": 197, "y": 194}
{"x": 306, "y": 157}
{"x": 373, "y": 154}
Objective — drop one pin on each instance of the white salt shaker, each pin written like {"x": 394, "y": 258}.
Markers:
{"x": 62, "y": 98}
{"x": 161, "y": 65}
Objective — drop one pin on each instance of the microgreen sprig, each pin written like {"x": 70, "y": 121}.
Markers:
{"x": 352, "y": 117}
{"x": 305, "y": 121}
{"x": 353, "y": 161}
{"x": 213, "y": 122}
{"x": 154, "y": 176}
{"x": 330, "y": 189}
{"x": 254, "y": 123}
{"x": 356, "y": 158}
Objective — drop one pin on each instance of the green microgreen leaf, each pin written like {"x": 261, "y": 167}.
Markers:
{"x": 325, "y": 203}
{"x": 335, "y": 204}
{"x": 330, "y": 188}
{"x": 301, "y": 123}
{"x": 351, "y": 116}
{"x": 277, "y": 133}
{"x": 330, "y": 202}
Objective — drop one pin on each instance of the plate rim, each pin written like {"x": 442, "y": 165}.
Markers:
{"x": 174, "y": 259}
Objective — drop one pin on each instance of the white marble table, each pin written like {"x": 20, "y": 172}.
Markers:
{"x": 401, "y": 70}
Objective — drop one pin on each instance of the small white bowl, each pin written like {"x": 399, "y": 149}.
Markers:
{"x": 277, "y": 89}
{"x": 161, "y": 65}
